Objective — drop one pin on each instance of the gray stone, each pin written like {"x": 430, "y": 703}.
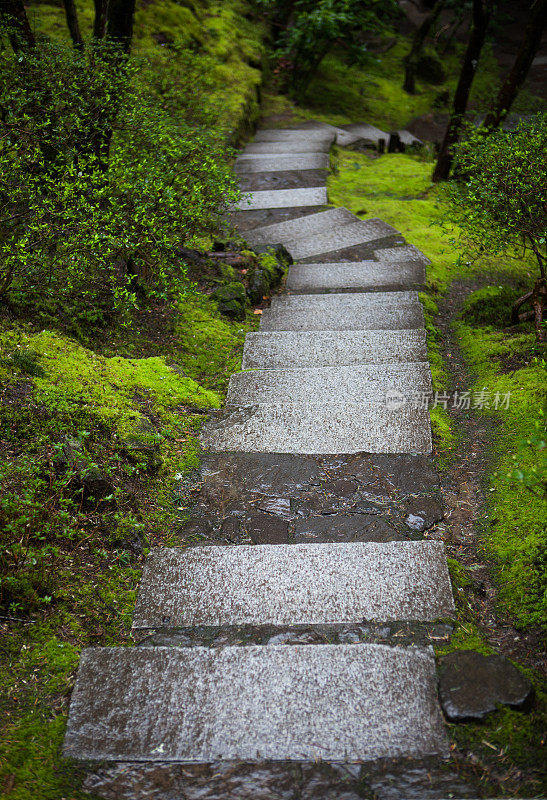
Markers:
{"x": 423, "y": 512}
{"x": 397, "y": 254}
{"x": 295, "y": 584}
{"x": 364, "y": 131}
{"x": 273, "y": 350}
{"x": 354, "y": 276}
{"x": 276, "y": 181}
{"x": 265, "y": 528}
{"x": 345, "y": 528}
{"x": 408, "y": 139}
{"x": 303, "y": 227}
{"x": 341, "y": 311}
{"x": 373, "y": 317}
{"x": 349, "y": 703}
{"x": 344, "y": 302}
{"x": 330, "y": 428}
{"x": 365, "y": 383}
{"x": 294, "y": 135}
{"x": 279, "y": 163}
{"x": 472, "y": 685}
{"x": 287, "y": 147}
{"x": 284, "y": 198}
{"x": 359, "y": 232}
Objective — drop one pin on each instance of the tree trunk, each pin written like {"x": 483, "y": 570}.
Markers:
{"x": 517, "y": 75}
{"x": 13, "y": 14}
{"x": 72, "y": 24}
{"x": 119, "y": 24}
{"x": 481, "y": 18}
{"x": 99, "y": 23}
{"x": 420, "y": 35}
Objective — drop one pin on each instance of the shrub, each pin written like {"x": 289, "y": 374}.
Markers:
{"x": 500, "y": 199}
{"x": 104, "y": 168}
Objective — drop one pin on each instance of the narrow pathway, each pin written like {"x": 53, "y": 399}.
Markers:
{"x": 308, "y": 641}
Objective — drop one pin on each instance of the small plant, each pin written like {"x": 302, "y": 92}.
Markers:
{"x": 499, "y": 200}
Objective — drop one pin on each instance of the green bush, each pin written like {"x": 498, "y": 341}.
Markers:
{"x": 106, "y": 167}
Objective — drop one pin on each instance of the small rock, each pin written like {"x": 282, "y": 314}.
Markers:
{"x": 141, "y": 445}
{"x": 266, "y": 529}
{"x": 423, "y": 512}
{"x": 472, "y": 685}
{"x": 259, "y": 286}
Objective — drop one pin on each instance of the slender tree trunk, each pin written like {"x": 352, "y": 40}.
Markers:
{"x": 99, "y": 23}
{"x": 13, "y": 14}
{"x": 120, "y": 22}
{"x": 517, "y": 75}
{"x": 420, "y": 35}
{"x": 72, "y": 24}
{"x": 481, "y": 18}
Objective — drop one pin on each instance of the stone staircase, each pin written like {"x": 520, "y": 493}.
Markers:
{"x": 309, "y": 639}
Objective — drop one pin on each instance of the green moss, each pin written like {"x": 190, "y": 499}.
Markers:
{"x": 515, "y": 532}
{"x": 444, "y": 437}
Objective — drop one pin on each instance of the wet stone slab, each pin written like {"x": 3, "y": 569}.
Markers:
{"x": 309, "y": 226}
{"x": 362, "y": 316}
{"x": 274, "y": 350}
{"x": 367, "y": 384}
{"x": 232, "y": 487}
{"x": 394, "y": 634}
{"x": 354, "y": 276}
{"x": 265, "y": 780}
{"x": 248, "y": 220}
{"x": 287, "y": 147}
{"x": 299, "y": 135}
{"x": 405, "y": 253}
{"x": 281, "y": 163}
{"x": 205, "y": 704}
{"x": 334, "y": 427}
{"x": 349, "y": 581}
{"x": 284, "y": 198}
{"x": 290, "y": 179}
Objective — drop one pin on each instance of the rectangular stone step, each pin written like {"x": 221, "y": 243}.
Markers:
{"x": 360, "y": 232}
{"x": 344, "y": 302}
{"x": 352, "y": 703}
{"x": 354, "y": 276}
{"x": 368, "y": 384}
{"x": 276, "y": 349}
{"x": 294, "y": 584}
{"x": 287, "y": 146}
{"x": 369, "y": 132}
{"x": 406, "y": 252}
{"x": 314, "y": 429}
{"x": 284, "y": 198}
{"x": 250, "y": 163}
{"x": 361, "y": 317}
{"x": 294, "y": 135}
{"x": 310, "y": 225}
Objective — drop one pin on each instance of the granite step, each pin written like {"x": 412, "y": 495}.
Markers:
{"x": 320, "y": 428}
{"x": 311, "y": 225}
{"x": 369, "y": 384}
{"x": 343, "y": 302}
{"x": 294, "y": 135}
{"x": 351, "y": 276}
{"x": 360, "y": 232}
{"x": 284, "y": 198}
{"x": 404, "y": 253}
{"x": 362, "y": 317}
{"x": 273, "y": 350}
{"x": 294, "y": 584}
{"x": 279, "y": 163}
{"x": 368, "y": 132}
{"x": 348, "y": 703}
{"x": 287, "y": 146}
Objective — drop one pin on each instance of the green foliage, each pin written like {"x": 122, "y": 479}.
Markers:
{"x": 311, "y": 28}
{"x": 491, "y": 305}
{"x": 105, "y": 168}
{"x": 500, "y": 197}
